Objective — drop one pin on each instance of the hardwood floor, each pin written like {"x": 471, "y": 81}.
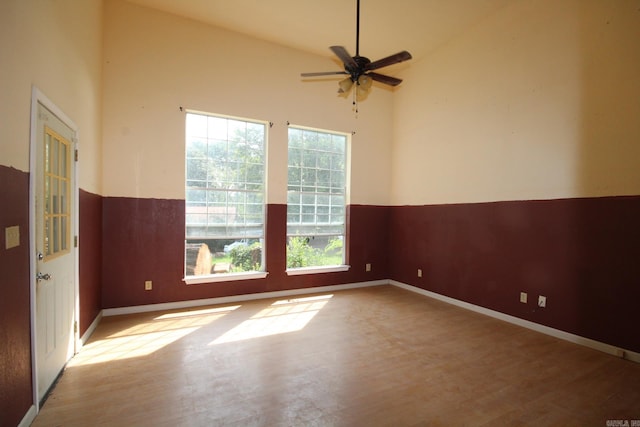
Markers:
{"x": 362, "y": 357}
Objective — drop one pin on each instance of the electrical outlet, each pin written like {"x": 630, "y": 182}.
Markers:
{"x": 542, "y": 301}
{"x": 419, "y": 272}
{"x": 12, "y": 237}
{"x": 148, "y": 285}
{"x": 523, "y": 297}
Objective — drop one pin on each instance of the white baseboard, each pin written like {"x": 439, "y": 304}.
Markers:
{"x": 28, "y": 417}
{"x": 577, "y": 339}
{"x": 236, "y": 298}
{"x": 85, "y": 337}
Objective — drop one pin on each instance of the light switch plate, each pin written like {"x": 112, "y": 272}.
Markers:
{"x": 12, "y": 237}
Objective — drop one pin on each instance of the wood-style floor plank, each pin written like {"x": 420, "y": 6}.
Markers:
{"x": 362, "y": 357}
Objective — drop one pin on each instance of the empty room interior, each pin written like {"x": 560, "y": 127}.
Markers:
{"x": 320, "y": 213}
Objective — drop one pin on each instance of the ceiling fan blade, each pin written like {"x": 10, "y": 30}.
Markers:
{"x": 389, "y": 60}
{"x": 388, "y": 80}
{"x": 344, "y": 56}
{"x": 322, "y": 73}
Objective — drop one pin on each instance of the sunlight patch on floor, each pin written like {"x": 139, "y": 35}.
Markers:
{"x": 148, "y": 337}
{"x": 280, "y": 317}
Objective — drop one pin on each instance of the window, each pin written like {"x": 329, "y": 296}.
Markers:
{"x": 224, "y": 195}
{"x": 316, "y": 198}
{"x": 57, "y": 187}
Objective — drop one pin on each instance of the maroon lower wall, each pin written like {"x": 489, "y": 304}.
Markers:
{"x": 90, "y": 258}
{"x": 143, "y": 239}
{"x": 16, "y": 393}
{"x": 582, "y": 254}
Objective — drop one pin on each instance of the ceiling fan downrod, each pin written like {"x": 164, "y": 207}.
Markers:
{"x": 358, "y": 28}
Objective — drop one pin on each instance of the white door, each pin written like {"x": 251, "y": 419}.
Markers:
{"x": 54, "y": 242}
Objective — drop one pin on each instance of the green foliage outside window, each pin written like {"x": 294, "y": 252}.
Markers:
{"x": 301, "y": 254}
{"x": 246, "y": 257}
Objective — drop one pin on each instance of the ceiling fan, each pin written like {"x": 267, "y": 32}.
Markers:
{"x": 359, "y": 68}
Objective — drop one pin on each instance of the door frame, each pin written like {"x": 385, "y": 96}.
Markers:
{"x": 37, "y": 97}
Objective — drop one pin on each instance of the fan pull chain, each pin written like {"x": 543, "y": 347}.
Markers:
{"x": 355, "y": 99}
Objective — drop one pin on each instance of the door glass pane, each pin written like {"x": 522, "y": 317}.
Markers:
{"x": 63, "y": 197}
{"x": 64, "y": 152}
{"x": 56, "y": 235}
{"x": 54, "y": 157}
{"x": 63, "y": 231}
{"x": 56, "y": 196}
{"x": 47, "y": 153}
{"x": 47, "y": 234}
{"x": 47, "y": 195}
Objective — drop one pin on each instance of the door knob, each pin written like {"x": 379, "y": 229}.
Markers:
{"x": 43, "y": 276}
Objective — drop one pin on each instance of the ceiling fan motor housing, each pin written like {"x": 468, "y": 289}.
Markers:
{"x": 360, "y": 69}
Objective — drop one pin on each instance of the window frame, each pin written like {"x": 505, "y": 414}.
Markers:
{"x": 344, "y": 266}
{"x": 230, "y": 276}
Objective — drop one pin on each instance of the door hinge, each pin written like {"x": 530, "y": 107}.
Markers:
{"x": 75, "y": 155}
{"x": 75, "y": 327}
{"x": 75, "y": 241}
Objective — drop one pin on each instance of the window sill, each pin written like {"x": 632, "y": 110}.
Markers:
{"x": 224, "y": 277}
{"x": 316, "y": 270}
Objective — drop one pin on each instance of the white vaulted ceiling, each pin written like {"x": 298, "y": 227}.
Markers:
{"x": 386, "y": 26}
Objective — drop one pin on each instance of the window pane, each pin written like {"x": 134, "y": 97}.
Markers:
{"x": 197, "y": 169}
{"x": 196, "y": 148}
{"x": 314, "y": 250}
{"x": 196, "y": 197}
{"x": 217, "y": 127}
{"x": 236, "y": 131}
{"x": 217, "y": 150}
{"x": 309, "y": 159}
{"x": 215, "y": 256}
{"x": 197, "y": 125}
{"x": 295, "y": 138}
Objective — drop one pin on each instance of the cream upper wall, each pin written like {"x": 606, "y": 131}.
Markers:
{"x": 57, "y": 47}
{"x": 541, "y": 100}
{"x": 156, "y": 63}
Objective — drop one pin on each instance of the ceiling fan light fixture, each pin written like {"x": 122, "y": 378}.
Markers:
{"x": 345, "y": 85}
{"x": 365, "y": 82}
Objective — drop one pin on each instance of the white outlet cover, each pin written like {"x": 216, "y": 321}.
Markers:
{"x": 523, "y": 297}
{"x": 542, "y": 301}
